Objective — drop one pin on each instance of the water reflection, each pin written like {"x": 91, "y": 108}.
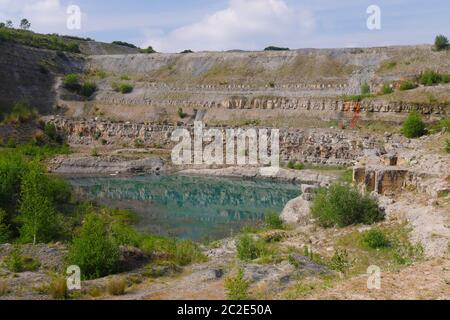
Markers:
{"x": 189, "y": 207}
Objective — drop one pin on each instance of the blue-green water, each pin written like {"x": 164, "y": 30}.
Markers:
{"x": 188, "y": 207}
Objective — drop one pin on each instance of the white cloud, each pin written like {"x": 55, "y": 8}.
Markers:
{"x": 244, "y": 24}
{"x": 45, "y": 15}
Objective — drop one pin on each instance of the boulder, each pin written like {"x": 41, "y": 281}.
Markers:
{"x": 297, "y": 211}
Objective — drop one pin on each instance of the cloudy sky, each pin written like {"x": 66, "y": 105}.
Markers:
{"x": 172, "y": 26}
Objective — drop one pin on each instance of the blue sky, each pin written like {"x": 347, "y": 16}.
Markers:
{"x": 172, "y": 26}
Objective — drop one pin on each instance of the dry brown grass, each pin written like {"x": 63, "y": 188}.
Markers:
{"x": 117, "y": 286}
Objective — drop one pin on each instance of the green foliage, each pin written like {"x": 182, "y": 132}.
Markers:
{"x": 72, "y": 81}
{"x": 441, "y": 43}
{"x": 88, "y": 88}
{"x": 15, "y": 262}
{"x": 93, "y": 250}
{"x": 124, "y": 44}
{"x": 122, "y": 87}
{"x": 386, "y": 89}
{"x": 12, "y": 166}
{"x": 125, "y": 235}
{"x": 295, "y": 165}
{"x": 181, "y": 114}
{"x": 406, "y": 253}
{"x": 237, "y": 287}
{"x": 187, "y": 252}
{"x": 431, "y": 77}
{"x": 273, "y": 48}
{"x": 38, "y": 217}
{"x": 5, "y": 232}
{"x": 407, "y": 85}
{"x": 342, "y": 205}
{"x": 44, "y": 41}
{"x": 148, "y": 50}
{"x": 375, "y": 239}
{"x": 25, "y": 24}
{"x": 413, "y": 127}
{"x": 20, "y": 113}
{"x": 57, "y": 288}
{"x": 248, "y": 248}
{"x": 272, "y": 220}
{"x": 340, "y": 261}
{"x": 186, "y": 51}
{"x": 365, "y": 89}
{"x": 447, "y": 146}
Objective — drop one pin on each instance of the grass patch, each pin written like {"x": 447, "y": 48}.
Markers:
{"x": 15, "y": 262}
{"x": 237, "y": 287}
{"x": 117, "y": 286}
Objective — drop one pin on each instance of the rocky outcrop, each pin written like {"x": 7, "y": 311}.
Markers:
{"x": 297, "y": 211}
{"x": 104, "y": 165}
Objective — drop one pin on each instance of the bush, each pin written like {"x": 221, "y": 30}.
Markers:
{"x": 122, "y": 87}
{"x": 181, "y": 114}
{"x": 124, "y": 44}
{"x": 431, "y": 77}
{"x": 272, "y": 220}
{"x": 342, "y": 205}
{"x": 148, "y": 50}
{"x": 237, "y": 287}
{"x": 186, "y": 51}
{"x": 116, "y": 287}
{"x": 20, "y": 113}
{"x": 407, "y": 85}
{"x": 187, "y": 252}
{"x": 273, "y": 48}
{"x": 340, "y": 261}
{"x": 15, "y": 262}
{"x": 5, "y": 233}
{"x": 386, "y": 89}
{"x": 413, "y": 127}
{"x": 72, "y": 81}
{"x": 247, "y": 248}
{"x": 365, "y": 89}
{"x": 447, "y": 146}
{"x": 88, "y": 89}
{"x": 441, "y": 43}
{"x": 93, "y": 250}
{"x": 295, "y": 165}
{"x": 38, "y": 218}
{"x": 58, "y": 289}
{"x": 375, "y": 239}
{"x": 406, "y": 253}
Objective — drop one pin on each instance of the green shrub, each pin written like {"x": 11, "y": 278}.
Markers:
{"x": 340, "y": 261}
{"x": 386, "y": 89}
{"x": 375, "y": 239}
{"x": 407, "y": 85}
{"x": 447, "y": 146}
{"x": 365, "y": 89}
{"x": 125, "y": 235}
{"x": 38, "y": 217}
{"x": 20, "y": 113}
{"x": 12, "y": 166}
{"x": 247, "y": 248}
{"x": 273, "y": 48}
{"x": 272, "y": 220}
{"x": 187, "y": 252}
{"x": 181, "y": 114}
{"x": 93, "y": 250}
{"x": 72, "y": 81}
{"x": 88, "y": 89}
{"x": 441, "y": 43}
{"x": 295, "y": 165}
{"x": 237, "y": 287}
{"x": 431, "y": 77}
{"x": 413, "y": 127}
{"x": 406, "y": 253}
{"x": 5, "y": 232}
{"x": 122, "y": 87}
{"x": 148, "y": 50}
{"x": 342, "y": 205}
{"x": 15, "y": 262}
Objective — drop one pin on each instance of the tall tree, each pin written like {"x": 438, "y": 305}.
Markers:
{"x": 441, "y": 43}
{"x": 25, "y": 24}
{"x": 37, "y": 215}
{"x": 8, "y": 24}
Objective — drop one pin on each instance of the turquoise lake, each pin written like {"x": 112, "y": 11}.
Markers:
{"x": 188, "y": 207}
